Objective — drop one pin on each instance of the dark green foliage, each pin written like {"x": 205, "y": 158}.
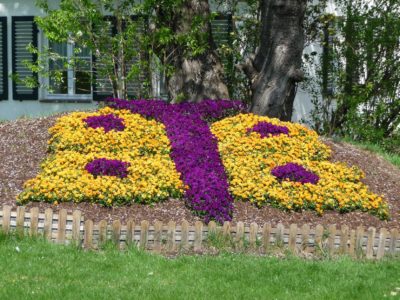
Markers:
{"x": 359, "y": 74}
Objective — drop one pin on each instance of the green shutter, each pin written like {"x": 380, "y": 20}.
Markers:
{"x": 221, "y": 27}
{"x": 3, "y": 59}
{"x": 102, "y": 87}
{"x": 24, "y": 32}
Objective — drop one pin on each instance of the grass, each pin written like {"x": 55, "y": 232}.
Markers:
{"x": 34, "y": 269}
{"x": 390, "y": 157}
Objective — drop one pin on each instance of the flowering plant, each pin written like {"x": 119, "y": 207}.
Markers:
{"x": 171, "y": 150}
{"x": 250, "y": 160}
{"x": 294, "y": 172}
{"x": 151, "y": 174}
{"x": 108, "y": 167}
{"x": 194, "y": 150}
{"x": 108, "y": 122}
{"x": 266, "y": 129}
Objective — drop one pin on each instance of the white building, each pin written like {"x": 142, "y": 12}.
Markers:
{"x": 17, "y": 30}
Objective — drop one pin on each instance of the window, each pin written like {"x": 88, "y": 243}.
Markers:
{"x": 70, "y": 71}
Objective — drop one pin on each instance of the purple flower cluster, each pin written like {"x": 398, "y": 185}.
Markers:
{"x": 207, "y": 109}
{"x": 194, "y": 149}
{"x": 108, "y": 167}
{"x": 108, "y": 122}
{"x": 266, "y": 129}
{"x": 294, "y": 172}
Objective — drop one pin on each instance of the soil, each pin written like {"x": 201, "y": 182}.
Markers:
{"x": 23, "y": 145}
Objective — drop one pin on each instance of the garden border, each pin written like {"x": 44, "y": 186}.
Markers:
{"x": 64, "y": 228}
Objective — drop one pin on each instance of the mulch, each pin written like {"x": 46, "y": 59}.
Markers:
{"x": 23, "y": 145}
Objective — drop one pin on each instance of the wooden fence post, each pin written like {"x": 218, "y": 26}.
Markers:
{"x": 239, "y": 239}
{"x": 212, "y": 227}
{"x": 102, "y": 232}
{"x": 171, "y": 236}
{"x": 144, "y": 234}
{"x": 344, "y": 237}
{"x": 319, "y": 232}
{"x": 34, "y": 221}
{"x": 20, "y": 220}
{"x": 226, "y": 229}
{"x": 370, "y": 243}
{"x": 266, "y": 237}
{"x": 116, "y": 232}
{"x": 279, "y": 235}
{"x": 292, "y": 238}
{"x": 62, "y": 220}
{"x": 394, "y": 235}
{"x": 130, "y": 232}
{"x": 382, "y": 243}
{"x": 185, "y": 235}
{"x": 331, "y": 239}
{"x": 158, "y": 227}
{"x": 48, "y": 223}
{"x": 6, "y": 218}
{"x": 305, "y": 233}
{"x": 76, "y": 227}
{"x": 198, "y": 236}
{"x": 359, "y": 240}
{"x": 352, "y": 243}
{"x": 253, "y": 235}
{"x": 88, "y": 237}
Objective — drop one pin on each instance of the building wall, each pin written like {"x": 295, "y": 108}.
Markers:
{"x": 12, "y": 109}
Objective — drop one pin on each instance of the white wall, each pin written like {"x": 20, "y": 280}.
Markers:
{"x": 12, "y": 109}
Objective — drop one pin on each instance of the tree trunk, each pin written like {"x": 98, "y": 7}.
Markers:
{"x": 200, "y": 77}
{"x": 276, "y": 67}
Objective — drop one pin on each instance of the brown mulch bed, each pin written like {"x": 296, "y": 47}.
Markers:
{"x": 23, "y": 146}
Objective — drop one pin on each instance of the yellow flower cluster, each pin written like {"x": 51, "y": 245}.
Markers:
{"x": 249, "y": 159}
{"x": 143, "y": 143}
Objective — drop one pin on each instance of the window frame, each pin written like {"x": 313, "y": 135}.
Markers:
{"x": 46, "y": 95}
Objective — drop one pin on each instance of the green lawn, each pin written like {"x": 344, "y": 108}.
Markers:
{"x": 39, "y": 270}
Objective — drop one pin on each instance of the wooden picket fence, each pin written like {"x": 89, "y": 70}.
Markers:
{"x": 65, "y": 228}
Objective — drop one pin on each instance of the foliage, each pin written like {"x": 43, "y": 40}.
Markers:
{"x": 129, "y": 41}
{"x": 106, "y": 29}
{"x": 244, "y": 39}
{"x": 359, "y": 72}
{"x": 249, "y": 160}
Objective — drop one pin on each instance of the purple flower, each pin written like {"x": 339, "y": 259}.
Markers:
{"x": 266, "y": 129}
{"x": 294, "y": 172}
{"x": 108, "y": 122}
{"x": 108, "y": 167}
{"x": 194, "y": 149}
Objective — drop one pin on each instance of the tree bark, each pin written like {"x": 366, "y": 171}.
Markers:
{"x": 276, "y": 67}
{"x": 200, "y": 77}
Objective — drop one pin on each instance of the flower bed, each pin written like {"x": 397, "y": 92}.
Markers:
{"x": 142, "y": 147}
{"x": 148, "y": 151}
{"x": 194, "y": 150}
{"x": 259, "y": 169}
